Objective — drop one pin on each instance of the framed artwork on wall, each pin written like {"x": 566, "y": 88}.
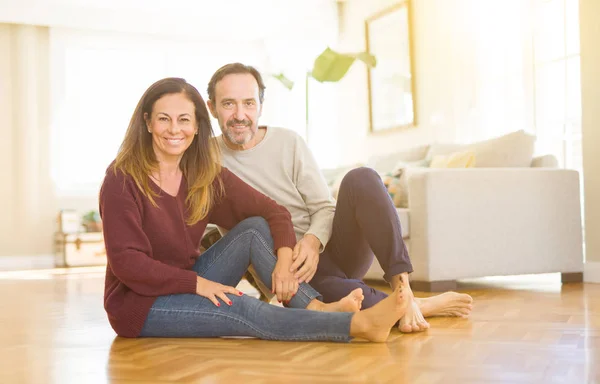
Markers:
{"x": 391, "y": 83}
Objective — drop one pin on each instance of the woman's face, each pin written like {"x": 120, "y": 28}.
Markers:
{"x": 172, "y": 125}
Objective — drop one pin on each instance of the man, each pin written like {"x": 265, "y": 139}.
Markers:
{"x": 336, "y": 241}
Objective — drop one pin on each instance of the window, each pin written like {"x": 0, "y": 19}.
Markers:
{"x": 97, "y": 80}
{"x": 492, "y": 64}
{"x": 558, "y": 82}
{"x": 288, "y": 108}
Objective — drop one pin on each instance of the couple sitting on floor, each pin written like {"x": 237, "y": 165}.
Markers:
{"x": 171, "y": 178}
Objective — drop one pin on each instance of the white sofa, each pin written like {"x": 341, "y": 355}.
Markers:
{"x": 515, "y": 215}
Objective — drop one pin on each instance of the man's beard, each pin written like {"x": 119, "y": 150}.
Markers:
{"x": 237, "y": 139}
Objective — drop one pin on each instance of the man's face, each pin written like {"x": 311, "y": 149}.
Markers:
{"x": 237, "y": 107}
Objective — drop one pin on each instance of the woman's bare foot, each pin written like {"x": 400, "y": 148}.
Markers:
{"x": 375, "y": 323}
{"x": 446, "y": 304}
{"x": 350, "y": 303}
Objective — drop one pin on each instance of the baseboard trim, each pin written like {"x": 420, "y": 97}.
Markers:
{"x": 591, "y": 272}
{"x": 433, "y": 286}
{"x": 25, "y": 262}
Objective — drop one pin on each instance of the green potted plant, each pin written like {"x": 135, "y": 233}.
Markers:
{"x": 329, "y": 66}
{"x": 91, "y": 221}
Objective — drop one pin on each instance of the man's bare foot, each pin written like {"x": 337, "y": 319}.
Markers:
{"x": 446, "y": 304}
{"x": 413, "y": 320}
{"x": 375, "y": 323}
{"x": 350, "y": 303}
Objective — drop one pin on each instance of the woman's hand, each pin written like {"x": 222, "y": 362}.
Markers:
{"x": 212, "y": 290}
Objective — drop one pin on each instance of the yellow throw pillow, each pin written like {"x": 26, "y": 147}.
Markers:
{"x": 464, "y": 159}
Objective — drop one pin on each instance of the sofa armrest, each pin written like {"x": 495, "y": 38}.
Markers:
{"x": 498, "y": 221}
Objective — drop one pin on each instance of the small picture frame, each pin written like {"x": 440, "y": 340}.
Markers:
{"x": 391, "y": 83}
{"x": 69, "y": 221}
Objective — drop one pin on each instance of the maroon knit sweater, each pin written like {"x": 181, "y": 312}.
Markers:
{"x": 150, "y": 250}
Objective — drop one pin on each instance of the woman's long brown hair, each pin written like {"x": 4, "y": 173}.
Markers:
{"x": 200, "y": 163}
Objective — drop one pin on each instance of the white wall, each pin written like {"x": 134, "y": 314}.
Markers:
{"x": 27, "y": 202}
{"x": 590, "y": 80}
{"x": 7, "y": 152}
{"x": 466, "y": 59}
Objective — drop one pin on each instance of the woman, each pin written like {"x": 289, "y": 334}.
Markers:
{"x": 156, "y": 200}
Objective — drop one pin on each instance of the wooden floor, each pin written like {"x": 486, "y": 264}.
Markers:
{"x": 53, "y": 329}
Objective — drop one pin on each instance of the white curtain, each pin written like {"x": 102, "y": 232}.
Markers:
{"x": 26, "y": 192}
{"x": 97, "y": 80}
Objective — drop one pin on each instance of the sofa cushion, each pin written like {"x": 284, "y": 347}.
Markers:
{"x": 332, "y": 175}
{"x": 334, "y": 186}
{"x": 545, "y": 161}
{"x": 403, "y": 214}
{"x": 397, "y": 188}
{"x": 463, "y": 159}
{"x": 444, "y": 149}
{"x": 397, "y": 180}
{"x": 511, "y": 150}
{"x": 386, "y": 163}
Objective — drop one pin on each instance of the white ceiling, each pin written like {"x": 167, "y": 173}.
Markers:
{"x": 237, "y": 20}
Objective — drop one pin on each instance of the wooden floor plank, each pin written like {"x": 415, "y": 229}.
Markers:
{"x": 532, "y": 329}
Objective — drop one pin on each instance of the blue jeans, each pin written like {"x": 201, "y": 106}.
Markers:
{"x": 191, "y": 315}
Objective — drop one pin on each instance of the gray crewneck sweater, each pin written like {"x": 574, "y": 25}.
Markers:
{"x": 282, "y": 167}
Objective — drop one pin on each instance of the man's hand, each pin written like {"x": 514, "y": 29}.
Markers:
{"x": 284, "y": 284}
{"x": 306, "y": 257}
